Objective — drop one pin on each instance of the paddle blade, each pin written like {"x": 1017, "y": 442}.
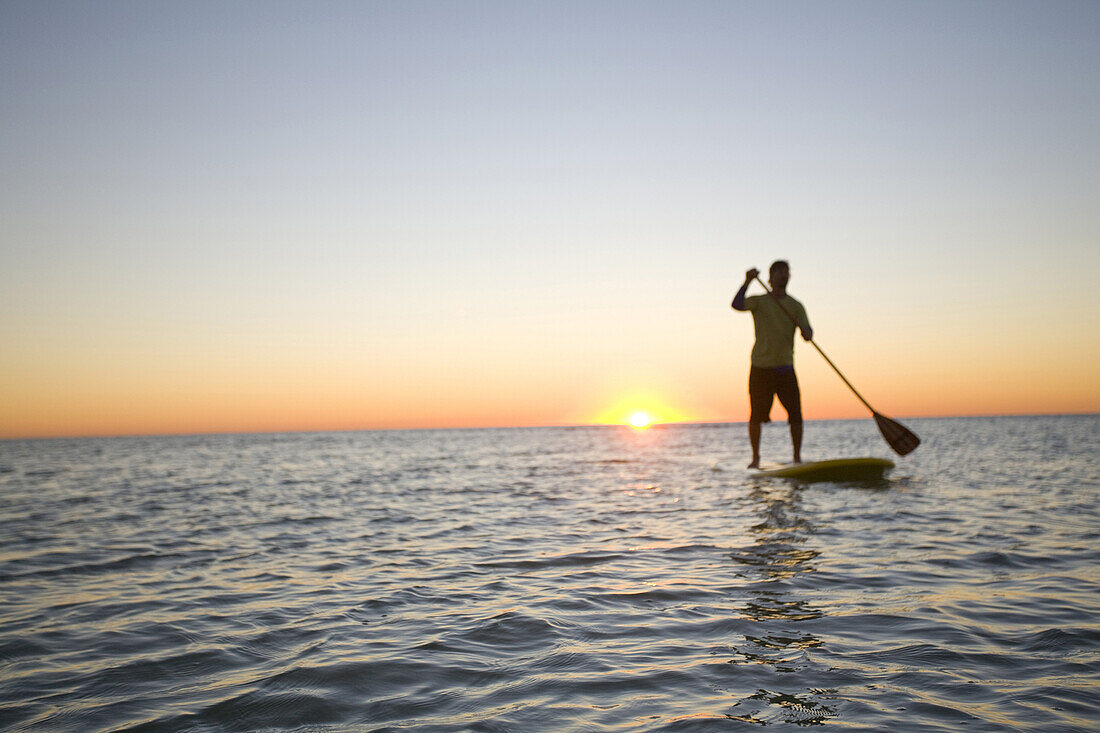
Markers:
{"x": 901, "y": 439}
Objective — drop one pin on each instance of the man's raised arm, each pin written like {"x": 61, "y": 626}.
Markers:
{"x": 738, "y": 303}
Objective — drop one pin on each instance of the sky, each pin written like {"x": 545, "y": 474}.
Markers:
{"x": 252, "y": 216}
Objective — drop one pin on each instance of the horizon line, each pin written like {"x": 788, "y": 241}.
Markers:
{"x": 670, "y": 423}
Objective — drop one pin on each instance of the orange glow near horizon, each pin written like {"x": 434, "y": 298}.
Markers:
{"x": 205, "y": 391}
{"x": 177, "y": 414}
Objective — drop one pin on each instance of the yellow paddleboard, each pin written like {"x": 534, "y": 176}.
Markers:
{"x": 837, "y": 469}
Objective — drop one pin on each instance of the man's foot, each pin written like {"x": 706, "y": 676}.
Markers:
{"x": 755, "y": 463}
{"x": 797, "y": 459}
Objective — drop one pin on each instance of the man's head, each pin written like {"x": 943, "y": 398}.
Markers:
{"x": 779, "y": 273}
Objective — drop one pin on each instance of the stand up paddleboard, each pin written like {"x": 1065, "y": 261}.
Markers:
{"x": 838, "y": 469}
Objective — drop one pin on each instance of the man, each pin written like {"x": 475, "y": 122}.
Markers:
{"x": 772, "y": 372}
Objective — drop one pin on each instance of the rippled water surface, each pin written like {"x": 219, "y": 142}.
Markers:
{"x": 551, "y": 579}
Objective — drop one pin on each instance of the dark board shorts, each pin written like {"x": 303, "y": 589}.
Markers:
{"x": 767, "y": 383}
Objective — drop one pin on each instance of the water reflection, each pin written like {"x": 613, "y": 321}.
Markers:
{"x": 779, "y": 551}
{"x": 771, "y": 566}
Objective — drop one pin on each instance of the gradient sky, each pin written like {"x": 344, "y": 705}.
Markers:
{"x": 236, "y": 216}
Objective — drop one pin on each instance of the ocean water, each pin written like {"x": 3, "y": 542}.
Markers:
{"x": 552, "y": 579}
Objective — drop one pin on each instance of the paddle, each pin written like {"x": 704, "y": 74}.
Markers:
{"x": 901, "y": 439}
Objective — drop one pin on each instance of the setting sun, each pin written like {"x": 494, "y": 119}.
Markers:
{"x": 639, "y": 409}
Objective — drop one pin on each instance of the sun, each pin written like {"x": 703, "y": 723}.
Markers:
{"x": 638, "y": 409}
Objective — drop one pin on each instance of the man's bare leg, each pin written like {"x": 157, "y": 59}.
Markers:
{"x": 796, "y": 440}
{"x": 754, "y": 441}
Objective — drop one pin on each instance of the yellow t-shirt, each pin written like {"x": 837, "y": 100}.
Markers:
{"x": 774, "y": 330}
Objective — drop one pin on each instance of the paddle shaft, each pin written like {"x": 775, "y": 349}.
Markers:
{"x": 823, "y": 354}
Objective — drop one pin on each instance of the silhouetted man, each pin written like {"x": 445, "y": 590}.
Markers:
{"x": 772, "y": 372}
